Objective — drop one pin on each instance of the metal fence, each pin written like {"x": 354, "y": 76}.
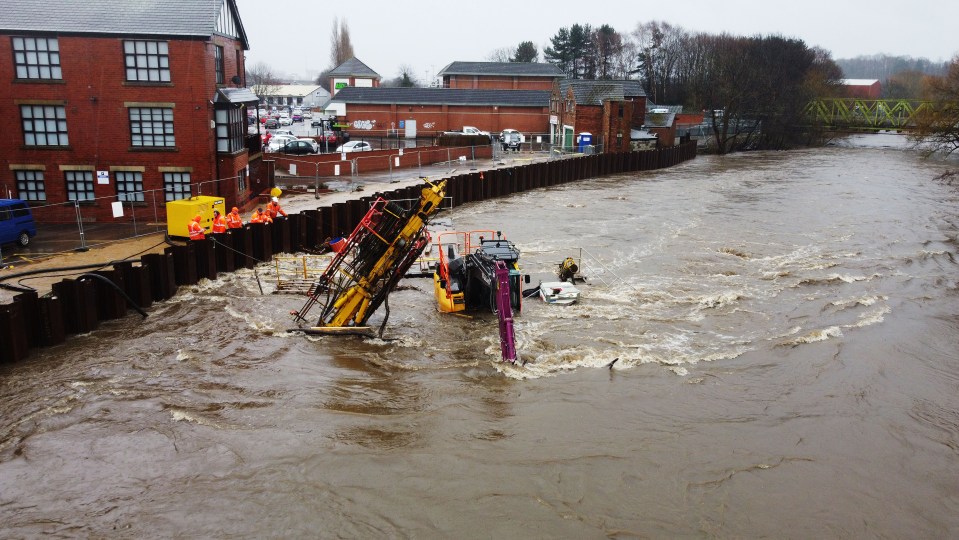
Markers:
{"x": 79, "y": 225}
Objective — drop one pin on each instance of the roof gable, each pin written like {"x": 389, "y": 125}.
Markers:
{"x": 353, "y": 68}
{"x": 513, "y": 69}
{"x": 187, "y": 18}
{"x": 594, "y": 92}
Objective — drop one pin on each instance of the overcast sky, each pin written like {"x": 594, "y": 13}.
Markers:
{"x": 293, "y": 36}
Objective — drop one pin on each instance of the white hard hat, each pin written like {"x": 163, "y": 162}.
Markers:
{"x": 275, "y": 199}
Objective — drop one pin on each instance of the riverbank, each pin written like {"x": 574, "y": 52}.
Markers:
{"x": 350, "y": 189}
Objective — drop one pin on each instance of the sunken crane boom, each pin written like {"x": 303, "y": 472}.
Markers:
{"x": 384, "y": 245}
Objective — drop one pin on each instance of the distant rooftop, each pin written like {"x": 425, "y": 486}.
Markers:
{"x": 512, "y": 69}
{"x": 594, "y": 92}
{"x": 193, "y": 18}
{"x": 353, "y": 68}
{"x": 858, "y": 82}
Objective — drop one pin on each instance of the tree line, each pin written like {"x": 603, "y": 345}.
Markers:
{"x": 753, "y": 90}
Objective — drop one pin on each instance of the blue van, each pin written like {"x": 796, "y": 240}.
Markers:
{"x": 16, "y": 222}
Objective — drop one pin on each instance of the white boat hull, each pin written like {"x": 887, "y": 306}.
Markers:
{"x": 558, "y": 292}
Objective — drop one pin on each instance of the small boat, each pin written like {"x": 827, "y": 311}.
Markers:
{"x": 558, "y": 292}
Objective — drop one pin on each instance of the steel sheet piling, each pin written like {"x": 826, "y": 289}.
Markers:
{"x": 30, "y": 307}
{"x": 79, "y": 305}
{"x": 184, "y": 264}
{"x": 136, "y": 283}
{"x": 111, "y": 304}
{"x": 162, "y": 274}
{"x": 52, "y": 326}
{"x": 14, "y": 345}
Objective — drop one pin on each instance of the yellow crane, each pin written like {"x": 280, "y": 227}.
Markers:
{"x": 381, "y": 249}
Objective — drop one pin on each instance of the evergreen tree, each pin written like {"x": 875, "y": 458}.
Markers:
{"x": 525, "y": 52}
{"x": 559, "y": 52}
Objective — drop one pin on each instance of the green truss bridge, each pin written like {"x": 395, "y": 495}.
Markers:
{"x": 866, "y": 114}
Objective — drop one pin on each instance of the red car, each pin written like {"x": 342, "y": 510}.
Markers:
{"x": 333, "y": 137}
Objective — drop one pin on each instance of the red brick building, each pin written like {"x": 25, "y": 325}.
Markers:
{"x": 608, "y": 110}
{"x": 500, "y": 75}
{"x": 138, "y": 102}
{"x": 389, "y": 111}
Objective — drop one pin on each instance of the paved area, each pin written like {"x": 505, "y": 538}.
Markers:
{"x": 61, "y": 245}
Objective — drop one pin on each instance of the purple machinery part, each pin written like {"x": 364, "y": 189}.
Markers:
{"x": 507, "y": 340}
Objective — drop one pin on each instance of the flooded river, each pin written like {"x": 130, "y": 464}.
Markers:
{"x": 785, "y": 325}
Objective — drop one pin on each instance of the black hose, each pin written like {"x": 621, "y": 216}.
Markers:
{"x": 27, "y": 273}
{"x": 118, "y": 289}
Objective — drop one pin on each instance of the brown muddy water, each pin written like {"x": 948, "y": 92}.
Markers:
{"x": 786, "y": 329}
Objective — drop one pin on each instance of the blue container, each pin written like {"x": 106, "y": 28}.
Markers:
{"x": 583, "y": 140}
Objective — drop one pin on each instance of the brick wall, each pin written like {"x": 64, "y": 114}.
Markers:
{"x": 437, "y": 118}
{"x": 498, "y": 82}
{"x": 94, "y": 93}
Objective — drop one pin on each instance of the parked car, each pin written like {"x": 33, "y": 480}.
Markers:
{"x": 271, "y": 123}
{"x": 278, "y": 141}
{"x": 333, "y": 137}
{"x": 355, "y": 146}
{"x": 307, "y": 115}
{"x": 297, "y": 117}
{"x": 511, "y": 141}
{"x": 508, "y": 131}
{"x": 16, "y": 222}
{"x": 299, "y": 147}
{"x": 283, "y": 132}
{"x": 285, "y": 120}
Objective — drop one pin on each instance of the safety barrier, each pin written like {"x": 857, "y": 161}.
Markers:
{"x": 77, "y": 306}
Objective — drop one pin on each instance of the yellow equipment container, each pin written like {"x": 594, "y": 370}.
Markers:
{"x": 180, "y": 213}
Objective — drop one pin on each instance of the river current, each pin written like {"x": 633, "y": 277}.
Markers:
{"x": 785, "y": 325}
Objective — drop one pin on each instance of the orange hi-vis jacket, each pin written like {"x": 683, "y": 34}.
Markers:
{"x": 219, "y": 224}
{"x": 234, "y": 221}
{"x": 273, "y": 209}
{"x": 261, "y": 218}
{"x": 196, "y": 231}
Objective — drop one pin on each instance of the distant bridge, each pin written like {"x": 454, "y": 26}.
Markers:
{"x": 866, "y": 114}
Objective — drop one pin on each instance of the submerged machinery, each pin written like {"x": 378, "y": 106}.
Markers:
{"x": 367, "y": 268}
{"x": 480, "y": 270}
{"x": 477, "y": 271}
{"x": 465, "y": 278}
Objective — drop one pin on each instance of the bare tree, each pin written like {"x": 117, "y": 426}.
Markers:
{"x": 261, "y": 80}
{"x": 503, "y": 54}
{"x": 341, "y": 49}
{"x": 406, "y": 78}
{"x": 937, "y": 127}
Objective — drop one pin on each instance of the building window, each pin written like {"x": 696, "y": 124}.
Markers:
{"x": 44, "y": 125}
{"x": 218, "y": 59}
{"x": 151, "y": 127}
{"x": 37, "y": 58}
{"x": 129, "y": 186}
{"x": 176, "y": 185}
{"x": 230, "y": 130}
{"x": 241, "y": 181}
{"x": 79, "y": 185}
{"x": 30, "y": 185}
{"x": 147, "y": 61}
